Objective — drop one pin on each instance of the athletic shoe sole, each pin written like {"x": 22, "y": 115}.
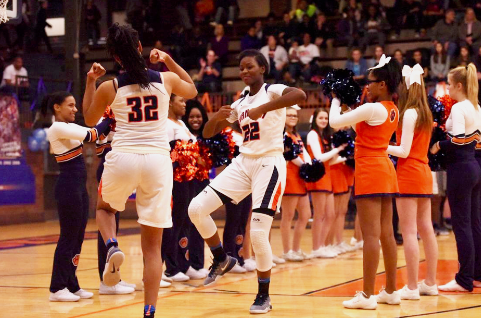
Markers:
{"x": 228, "y": 268}
{"x": 111, "y": 275}
{"x": 265, "y": 311}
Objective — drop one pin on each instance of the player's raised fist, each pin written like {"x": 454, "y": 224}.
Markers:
{"x": 96, "y": 71}
{"x": 157, "y": 56}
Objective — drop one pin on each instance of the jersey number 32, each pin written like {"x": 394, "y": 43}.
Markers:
{"x": 143, "y": 108}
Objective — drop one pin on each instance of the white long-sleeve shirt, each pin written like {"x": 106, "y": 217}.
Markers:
{"x": 374, "y": 114}
{"x": 408, "y": 126}
{"x": 463, "y": 120}
{"x": 313, "y": 142}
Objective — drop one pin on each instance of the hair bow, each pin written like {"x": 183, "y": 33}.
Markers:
{"x": 383, "y": 61}
{"x": 412, "y": 75}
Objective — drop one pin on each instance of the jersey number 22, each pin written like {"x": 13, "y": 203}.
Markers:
{"x": 251, "y": 131}
{"x": 143, "y": 109}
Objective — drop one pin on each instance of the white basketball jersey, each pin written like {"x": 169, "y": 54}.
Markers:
{"x": 141, "y": 116}
{"x": 264, "y": 136}
{"x": 178, "y": 131}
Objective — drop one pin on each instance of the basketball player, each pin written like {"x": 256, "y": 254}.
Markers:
{"x": 140, "y": 159}
{"x": 260, "y": 169}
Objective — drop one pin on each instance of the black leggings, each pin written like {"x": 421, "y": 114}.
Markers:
{"x": 175, "y": 242}
{"x": 73, "y": 211}
{"x": 464, "y": 194}
{"x": 235, "y": 227}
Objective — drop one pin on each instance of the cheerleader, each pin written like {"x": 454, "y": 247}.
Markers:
{"x": 375, "y": 178}
{"x": 295, "y": 195}
{"x": 66, "y": 141}
{"x": 464, "y": 176}
{"x": 342, "y": 178}
{"x": 415, "y": 182}
{"x": 260, "y": 169}
{"x": 175, "y": 240}
{"x": 319, "y": 147}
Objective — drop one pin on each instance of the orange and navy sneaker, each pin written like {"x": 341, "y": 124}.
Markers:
{"x": 149, "y": 311}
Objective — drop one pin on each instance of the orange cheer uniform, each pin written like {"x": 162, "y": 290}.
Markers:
{"x": 295, "y": 186}
{"x": 325, "y": 183}
{"x": 339, "y": 179}
{"x": 375, "y": 175}
{"x": 413, "y": 173}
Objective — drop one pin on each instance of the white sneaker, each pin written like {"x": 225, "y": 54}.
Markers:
{"x": 194, "y": 274}
{"x": 427, "y": 290}
{"x": 118, "y": 289}
{"x": 63, "y": 295}
{"x": 353, "y": 241}
{"x": 83, "y": 294}
{"x": 204, "y": 271}
{"x": 359, "y": 245}
{"x": 391, "y": 299}
{"x": 274, "y": 264}
{"x": 409, "y": 294}
{"x": 333, "y": 250}
{"x": 237, "y": 269}
{"x": 167, "y": 279}
{"x": 336, "y": 249}
{"x": 250, "y": 265}
{"x": 302, "y": 254}
{"x": 276, "y": 259}
{"x": 360, "y": 301}
{"x": 164, "y": 284}
{"x": 292, "y": 257}
{"x": 323, "y": 252}
{"x": 125, "y": 284}
{"x": 452, "y": 286}
{"x": 179, "y": 277}
{"x": 348, "y": 248}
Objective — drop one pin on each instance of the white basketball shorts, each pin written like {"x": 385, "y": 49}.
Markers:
{"x": 264, "y": 177}
{"x": 150, "y": 175}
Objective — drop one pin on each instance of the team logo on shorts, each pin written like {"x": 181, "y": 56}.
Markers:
{"x": 75, "y": 260}
{"x": 187, "y": 255}
{"x": 239, "y": 239}
{"x": 183, "y": 242}
{"x": 392, "y": 116}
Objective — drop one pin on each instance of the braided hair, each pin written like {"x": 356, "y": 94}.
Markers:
{"x": 122, "y": 43}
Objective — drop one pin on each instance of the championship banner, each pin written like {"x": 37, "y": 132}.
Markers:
{"x": 17, "y": 182}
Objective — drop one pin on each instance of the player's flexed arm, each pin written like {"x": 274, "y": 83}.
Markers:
{"x": 217, "y": 122}
{"x": 290, "y": 96}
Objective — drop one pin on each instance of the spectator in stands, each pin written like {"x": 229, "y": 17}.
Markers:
{"x": 470, "y": 31}
{"x": 276, "y": 56}
{"x": 12, "y": 71}
{"x": 159, "y": 67}
{"x": 440, "y": 63}
{"x": 92, "y": 18}
{"x": 220, "y": 44}
{"x": 329, "y": 7}
{"x": 350, "y": 29}
{"x": 295, "y": 66}
{"x": 259, "y": 31}
{"x": 305, "y": 8}
{"x": 322, "y": 33}
{"x": 135, "y": 15}
{"x": 381, "y": 9}
{"x": 375, "y": 26}
{"x": 250, "y": 40}
{"x": 182, "y": 9}
{"x": 307, "y": 52}
{"x": 409, "y": 13}
{"x": 358, "y": 65}
{"x": 477, "y": 62}
{"x": 418, "y": 59}
{"x": 198, "y": 44}
{"x": 210, "y": 74}
{"x": 179, "y": 44}
{"x": 433, "y": 11}
{"x": 287, "y": 30}
{"x": 446, "y": 32}
{"x": 304, "y": 26}
{"x": 378, "y": 52}
{"x": 224, "y": 6}
{"x": 464, "y": 57}
{"x": 40, "y": 34}
{"x": 399, "y": 57}
{"x": 271, "y": 26}
{"x": 345, "y": 5}
{"x": 22, "y": 28}
{"x": 287, "y": 79}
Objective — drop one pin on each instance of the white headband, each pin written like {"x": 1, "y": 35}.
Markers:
{"x": 412, "y": 75}
{"x": 383, "y": 61}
